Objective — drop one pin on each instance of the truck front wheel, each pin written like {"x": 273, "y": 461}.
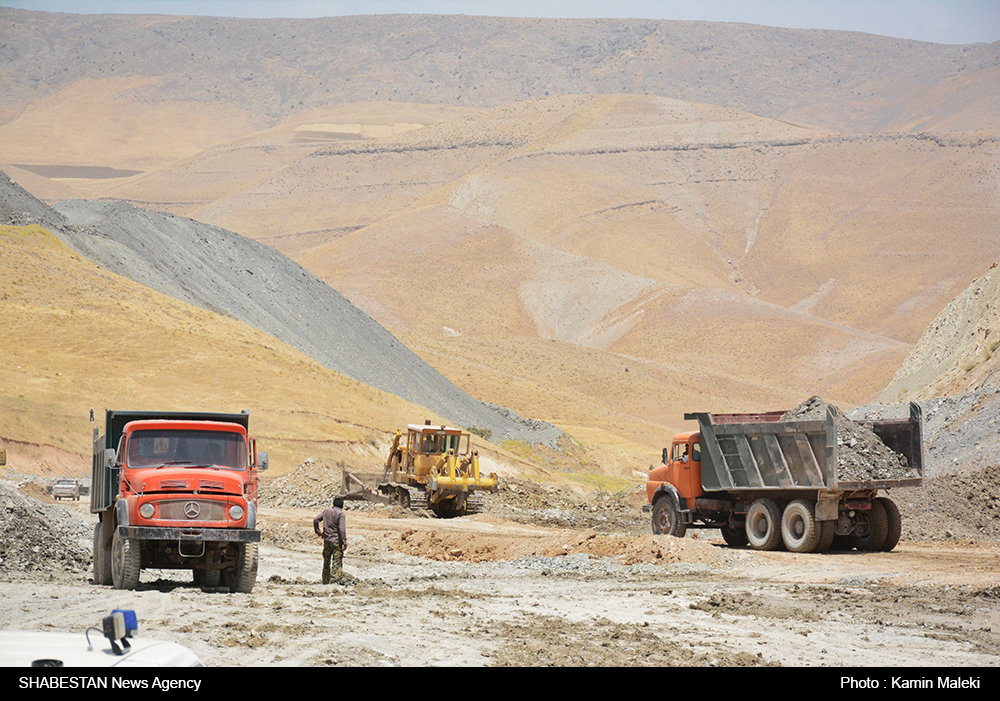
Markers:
{"x": 667, "y": 519}
{"x": 763, "y": 525}
{"x": 800, "y": 530}
{"x": 126, "y": 562}
{"x": 242, "y": 579}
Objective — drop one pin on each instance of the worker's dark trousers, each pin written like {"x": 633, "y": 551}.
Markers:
{"x": 332, "y": 551}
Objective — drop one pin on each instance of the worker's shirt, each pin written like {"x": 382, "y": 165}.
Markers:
{"x": 334, "y": 526}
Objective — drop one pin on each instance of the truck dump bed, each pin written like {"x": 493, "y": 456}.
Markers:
{"x": 759, "y": 451}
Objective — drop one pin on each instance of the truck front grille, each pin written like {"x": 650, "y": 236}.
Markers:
{"x": 190, "y": 510}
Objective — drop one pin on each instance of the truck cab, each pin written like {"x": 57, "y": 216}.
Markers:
{"x": 681, "y": 468}
{"x": 181, "y": 473}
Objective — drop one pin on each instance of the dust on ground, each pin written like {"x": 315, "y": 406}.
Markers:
{"x": 543, "y": 577}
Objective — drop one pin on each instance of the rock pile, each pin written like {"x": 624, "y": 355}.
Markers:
{"x": 861, "y": 454}
{"x": 314, "y": 483}
{"x": 37, "y": 537}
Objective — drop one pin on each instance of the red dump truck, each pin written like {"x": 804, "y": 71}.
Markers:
{"x": 769, "y": 482}
{"x": 176, "y": 490}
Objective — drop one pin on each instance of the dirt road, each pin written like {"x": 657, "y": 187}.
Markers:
{"x": 491, "y": 591}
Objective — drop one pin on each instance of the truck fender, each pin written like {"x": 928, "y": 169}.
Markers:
{"x": 121, "y": 513}
{"x": 252, "y": 516}
{"x": 669, "y": 491}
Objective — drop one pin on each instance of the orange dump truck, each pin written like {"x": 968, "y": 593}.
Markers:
{"x": 771, "y": 483}
{"x": 176, "y": 490}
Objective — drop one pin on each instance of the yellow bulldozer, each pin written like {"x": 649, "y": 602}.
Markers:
{"x": 429, "y": 467}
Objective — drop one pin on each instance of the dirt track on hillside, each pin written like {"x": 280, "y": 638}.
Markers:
{"x": 485, "y": 590}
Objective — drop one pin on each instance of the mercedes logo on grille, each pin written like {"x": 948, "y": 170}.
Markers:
{"x": 191, "y": 509}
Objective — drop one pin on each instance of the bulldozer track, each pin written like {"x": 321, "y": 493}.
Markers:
{"x": 418, "y": 498}
{"x": 474, "y": 503}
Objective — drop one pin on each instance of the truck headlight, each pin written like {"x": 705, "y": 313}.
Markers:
{"x": 236, "y": 512}
{"x": 147, "y": 510}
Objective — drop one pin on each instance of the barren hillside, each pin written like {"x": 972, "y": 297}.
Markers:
{"x": 268, "y": 69}
{"x": 958, "y": 351}
{"x": 241, "y": 279}
{"x": 954, "y": 373}
{"x": 78, "y": 337}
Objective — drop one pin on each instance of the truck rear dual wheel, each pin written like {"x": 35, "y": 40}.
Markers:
{"x": 828, "y": 533}
{"x": 763, "y": 525}
{"x": 102, "y": 557}
{"x": 800, "y": 530}
{"x": 207, "y": 578}
{"x": 894, "y": 523}
{"x": 872, "y": 530}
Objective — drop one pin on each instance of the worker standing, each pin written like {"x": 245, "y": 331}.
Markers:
{"x": 334, "y": 535}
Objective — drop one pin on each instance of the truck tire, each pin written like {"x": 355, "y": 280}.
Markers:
{"x": 126, "y": 562}
{"x": 667, "y": 518}
{"x": 734, "y": 537}
{"x": 800, "y": 530}
{"x": 242, "y": 579}
{"x": 828, "y": 533}
{"x": 764, "y": 525}
{"x": 894, "y": 523}
{"x": 207, "y": 578}
{"x": 102, "y": 559}
{"x": 842, "y": 542}
{"x": 874, "y": 527}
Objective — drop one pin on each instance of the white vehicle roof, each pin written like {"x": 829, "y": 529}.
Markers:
{"x": 22, "y": 648}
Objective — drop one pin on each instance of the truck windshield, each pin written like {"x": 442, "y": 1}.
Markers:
{"x": 159, "y": 448}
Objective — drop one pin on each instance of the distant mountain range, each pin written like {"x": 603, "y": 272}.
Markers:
{"x": 842, "y": 81}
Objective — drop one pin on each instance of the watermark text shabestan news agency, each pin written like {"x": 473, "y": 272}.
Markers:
{"x": 97, "y": 682}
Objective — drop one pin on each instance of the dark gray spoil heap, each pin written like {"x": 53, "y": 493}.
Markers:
{"x": 20, "y": 208}
{"x": 226, "y": 273}
{"x": 861, "y": 454}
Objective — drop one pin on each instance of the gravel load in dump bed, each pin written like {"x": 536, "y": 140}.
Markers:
{"x": 861, "y": 454}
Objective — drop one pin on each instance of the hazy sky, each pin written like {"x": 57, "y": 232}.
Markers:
{"x": 941, "y": 21}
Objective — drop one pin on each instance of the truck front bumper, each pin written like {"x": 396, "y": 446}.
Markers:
{"x": 197, "y": 535}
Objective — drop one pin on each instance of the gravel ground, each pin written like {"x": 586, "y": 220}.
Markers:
{"x": 486, "y": 591}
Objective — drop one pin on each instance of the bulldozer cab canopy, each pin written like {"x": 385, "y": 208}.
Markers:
{"x": 437, "y": 440}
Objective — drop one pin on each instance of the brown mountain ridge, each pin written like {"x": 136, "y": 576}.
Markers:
{"x": 600, "y": 223}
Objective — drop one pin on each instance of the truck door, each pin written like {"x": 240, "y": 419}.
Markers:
{"x": 686, "y": 469}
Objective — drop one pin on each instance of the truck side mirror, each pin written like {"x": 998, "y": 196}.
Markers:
{"x": 110, "y": 457}
{"x": 666, "y": 454}
{"x": 261, "y": 461}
